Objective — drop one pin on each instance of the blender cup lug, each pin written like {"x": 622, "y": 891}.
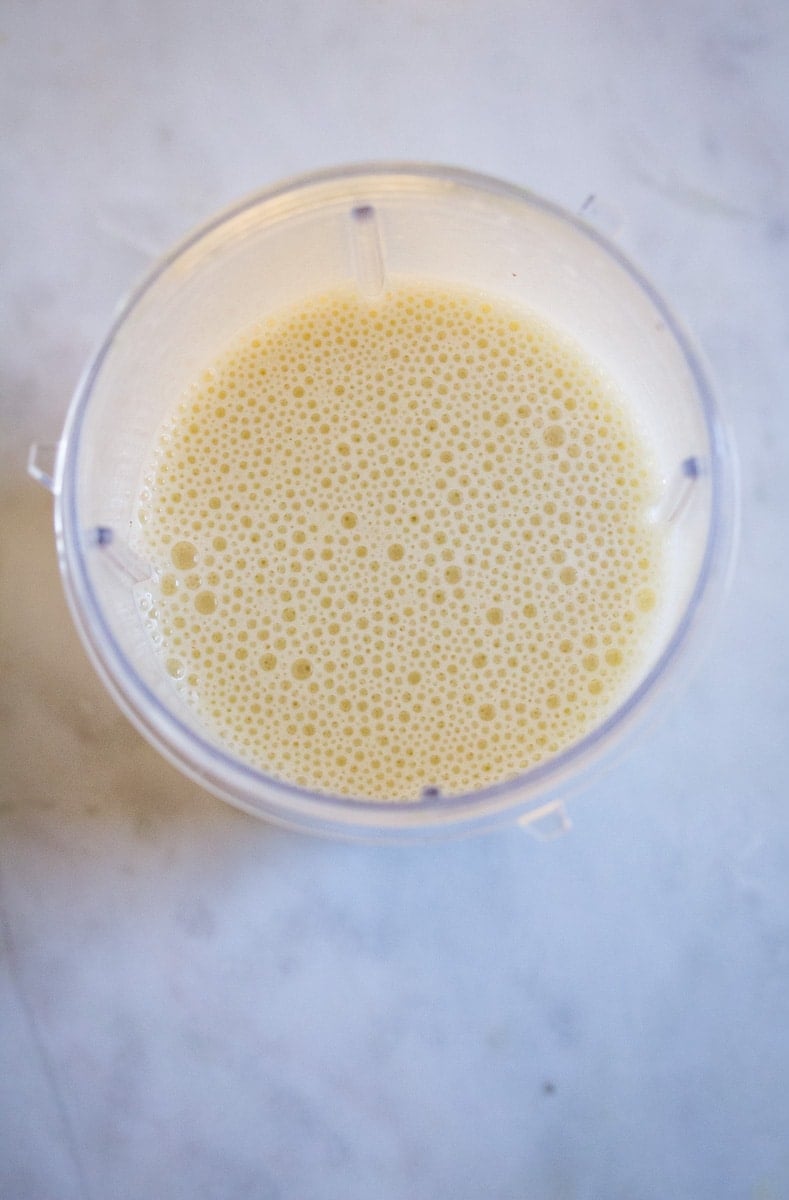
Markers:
{"x": 367, "y": 251}
{"x": 546, "y": 823}
{"x": 601, "y": 216}
{"x": 41, "y": 464}
{"x": 126, "y": 565}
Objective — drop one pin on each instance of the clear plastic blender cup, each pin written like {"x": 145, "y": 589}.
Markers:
{"x": 368, "y": 224}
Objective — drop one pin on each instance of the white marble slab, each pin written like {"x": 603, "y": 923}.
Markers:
{"x": 194, "y": 1004}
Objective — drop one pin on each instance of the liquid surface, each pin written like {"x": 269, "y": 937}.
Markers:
{"x": 400, "y": 544}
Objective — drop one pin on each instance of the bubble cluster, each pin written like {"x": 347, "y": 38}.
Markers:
{"x": 400, "y": 544}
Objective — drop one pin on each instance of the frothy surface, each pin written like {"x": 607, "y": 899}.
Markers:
{"x": 400, "y": 544}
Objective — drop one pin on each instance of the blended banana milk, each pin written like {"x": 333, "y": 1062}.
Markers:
{"x": 400, "y": 544}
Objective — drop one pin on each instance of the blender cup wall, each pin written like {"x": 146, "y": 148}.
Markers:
{"x": 369, "y": 224}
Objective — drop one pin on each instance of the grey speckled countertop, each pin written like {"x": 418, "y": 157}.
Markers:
{"x": 194, "y": 1004}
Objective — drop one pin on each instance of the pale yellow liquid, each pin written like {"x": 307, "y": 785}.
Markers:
{"x": 401, "y": 544}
